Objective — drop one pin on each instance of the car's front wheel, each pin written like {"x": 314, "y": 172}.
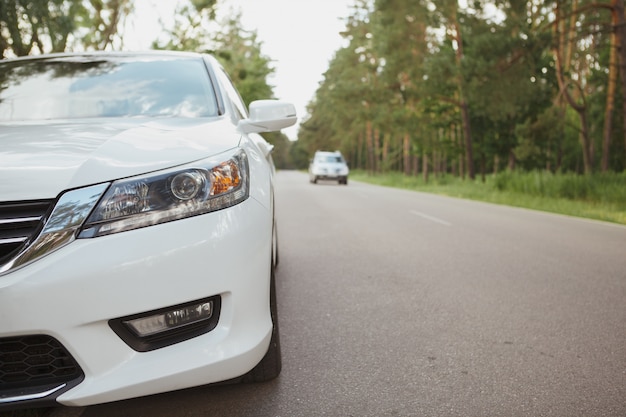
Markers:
{"x": 271, "y": 364}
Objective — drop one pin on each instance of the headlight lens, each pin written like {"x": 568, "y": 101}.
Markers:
{"x": 212, "y": 184}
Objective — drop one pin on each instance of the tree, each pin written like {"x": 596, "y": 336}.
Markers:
{"x": 617, "y": 71}
{"x": 454, "y": 31}
{"x": 346, "y": 102}
{"x": 239, "y": 50}
{"x": 100, "y": 22}
{"x": 534, "y": 84}
{"x": 401, "y": 38}
{"x": 191, "y": 30}
{"x": 619, "y": 22}
{"x": 28, "y": 26}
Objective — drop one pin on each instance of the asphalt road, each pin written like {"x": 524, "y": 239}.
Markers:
{"x": 394, "y": 303}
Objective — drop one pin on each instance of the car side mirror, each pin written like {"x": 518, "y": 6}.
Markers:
{"x": 268, "y": 116}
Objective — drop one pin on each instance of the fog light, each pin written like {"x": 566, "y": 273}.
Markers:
{"x": 169, "y": 320}
{"x": 167, "y": 326}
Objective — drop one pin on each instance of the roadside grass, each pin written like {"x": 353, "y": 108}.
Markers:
{"x": 598, "y": 196}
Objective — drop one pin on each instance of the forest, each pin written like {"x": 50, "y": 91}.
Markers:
{"x": 431, "y": 87}
{"x": 463, "y": 88}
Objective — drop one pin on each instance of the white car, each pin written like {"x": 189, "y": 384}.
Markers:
{"x": 137, "y": 232}
{"x": 328, "y": 166}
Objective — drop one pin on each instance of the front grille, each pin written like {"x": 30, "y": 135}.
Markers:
{"x": 19, "y": 221}
{"x": 37, "y": 360}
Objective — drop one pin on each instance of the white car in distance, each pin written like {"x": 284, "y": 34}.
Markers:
{"x": 328, "y": 166}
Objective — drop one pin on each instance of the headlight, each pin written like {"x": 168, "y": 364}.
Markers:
{"x": 208, "y": 185}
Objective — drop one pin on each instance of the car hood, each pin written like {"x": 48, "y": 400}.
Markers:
{"x": 38, "y": 160}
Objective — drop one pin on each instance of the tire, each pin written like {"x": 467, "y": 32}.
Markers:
{"x": 275, "y": 257}
{"x": 314, "y": 180}
{"x": 271, "y": 364}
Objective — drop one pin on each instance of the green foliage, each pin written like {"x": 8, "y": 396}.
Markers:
{"x": 239, "y": 51}
{"x": 452, "y": 79}
{"x": 601, "y": 188}
{"x": 299, "y": 155}
{"x": 189, "y": 32}
{"x": 346, "y": 99}
{"x": 28, "y": 26}
{"x": 99, "y": 22}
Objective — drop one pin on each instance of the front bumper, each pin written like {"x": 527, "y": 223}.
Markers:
{"x": 330, "y": 177}
{"x": 71, "y": 294}
{"x": 329, "y": 174}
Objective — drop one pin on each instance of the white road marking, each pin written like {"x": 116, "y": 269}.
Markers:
{"x": 431, "y": 218}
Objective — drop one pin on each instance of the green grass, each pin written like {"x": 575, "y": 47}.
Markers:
{"x": 599, "y": 196}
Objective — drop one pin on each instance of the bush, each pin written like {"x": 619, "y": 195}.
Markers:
{"x": 608, "y": 188}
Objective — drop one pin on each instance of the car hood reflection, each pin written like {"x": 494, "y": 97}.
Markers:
{"x": 38, "y": 160}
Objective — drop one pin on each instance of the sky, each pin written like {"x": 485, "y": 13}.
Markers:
{"x": 300, "y": 36}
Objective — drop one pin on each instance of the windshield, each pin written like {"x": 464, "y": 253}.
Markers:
{"x": 329, "y": 159}
{"x": 80, "y": 87}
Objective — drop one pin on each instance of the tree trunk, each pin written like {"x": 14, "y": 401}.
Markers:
{"x": 620, "y": 45}
{"x": 483, "y": 168}
{"x": 467, "y": 131}
{"x": 585, "y": 141}
{"x": 385, "y": 164}
{"x": 406, "y": 153}
{"x": 610, "y": 94}
{"x": 376, "y": 150}
{"x": 581, "y": 109}
{"x": 359, "y": 151}
{"x": 19, "y": 47}
{"x": 511, "y": 164}
{"x": 371, "y": 158}
{"x": 461, "y": 166}
{"x": 444, "y": 163}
